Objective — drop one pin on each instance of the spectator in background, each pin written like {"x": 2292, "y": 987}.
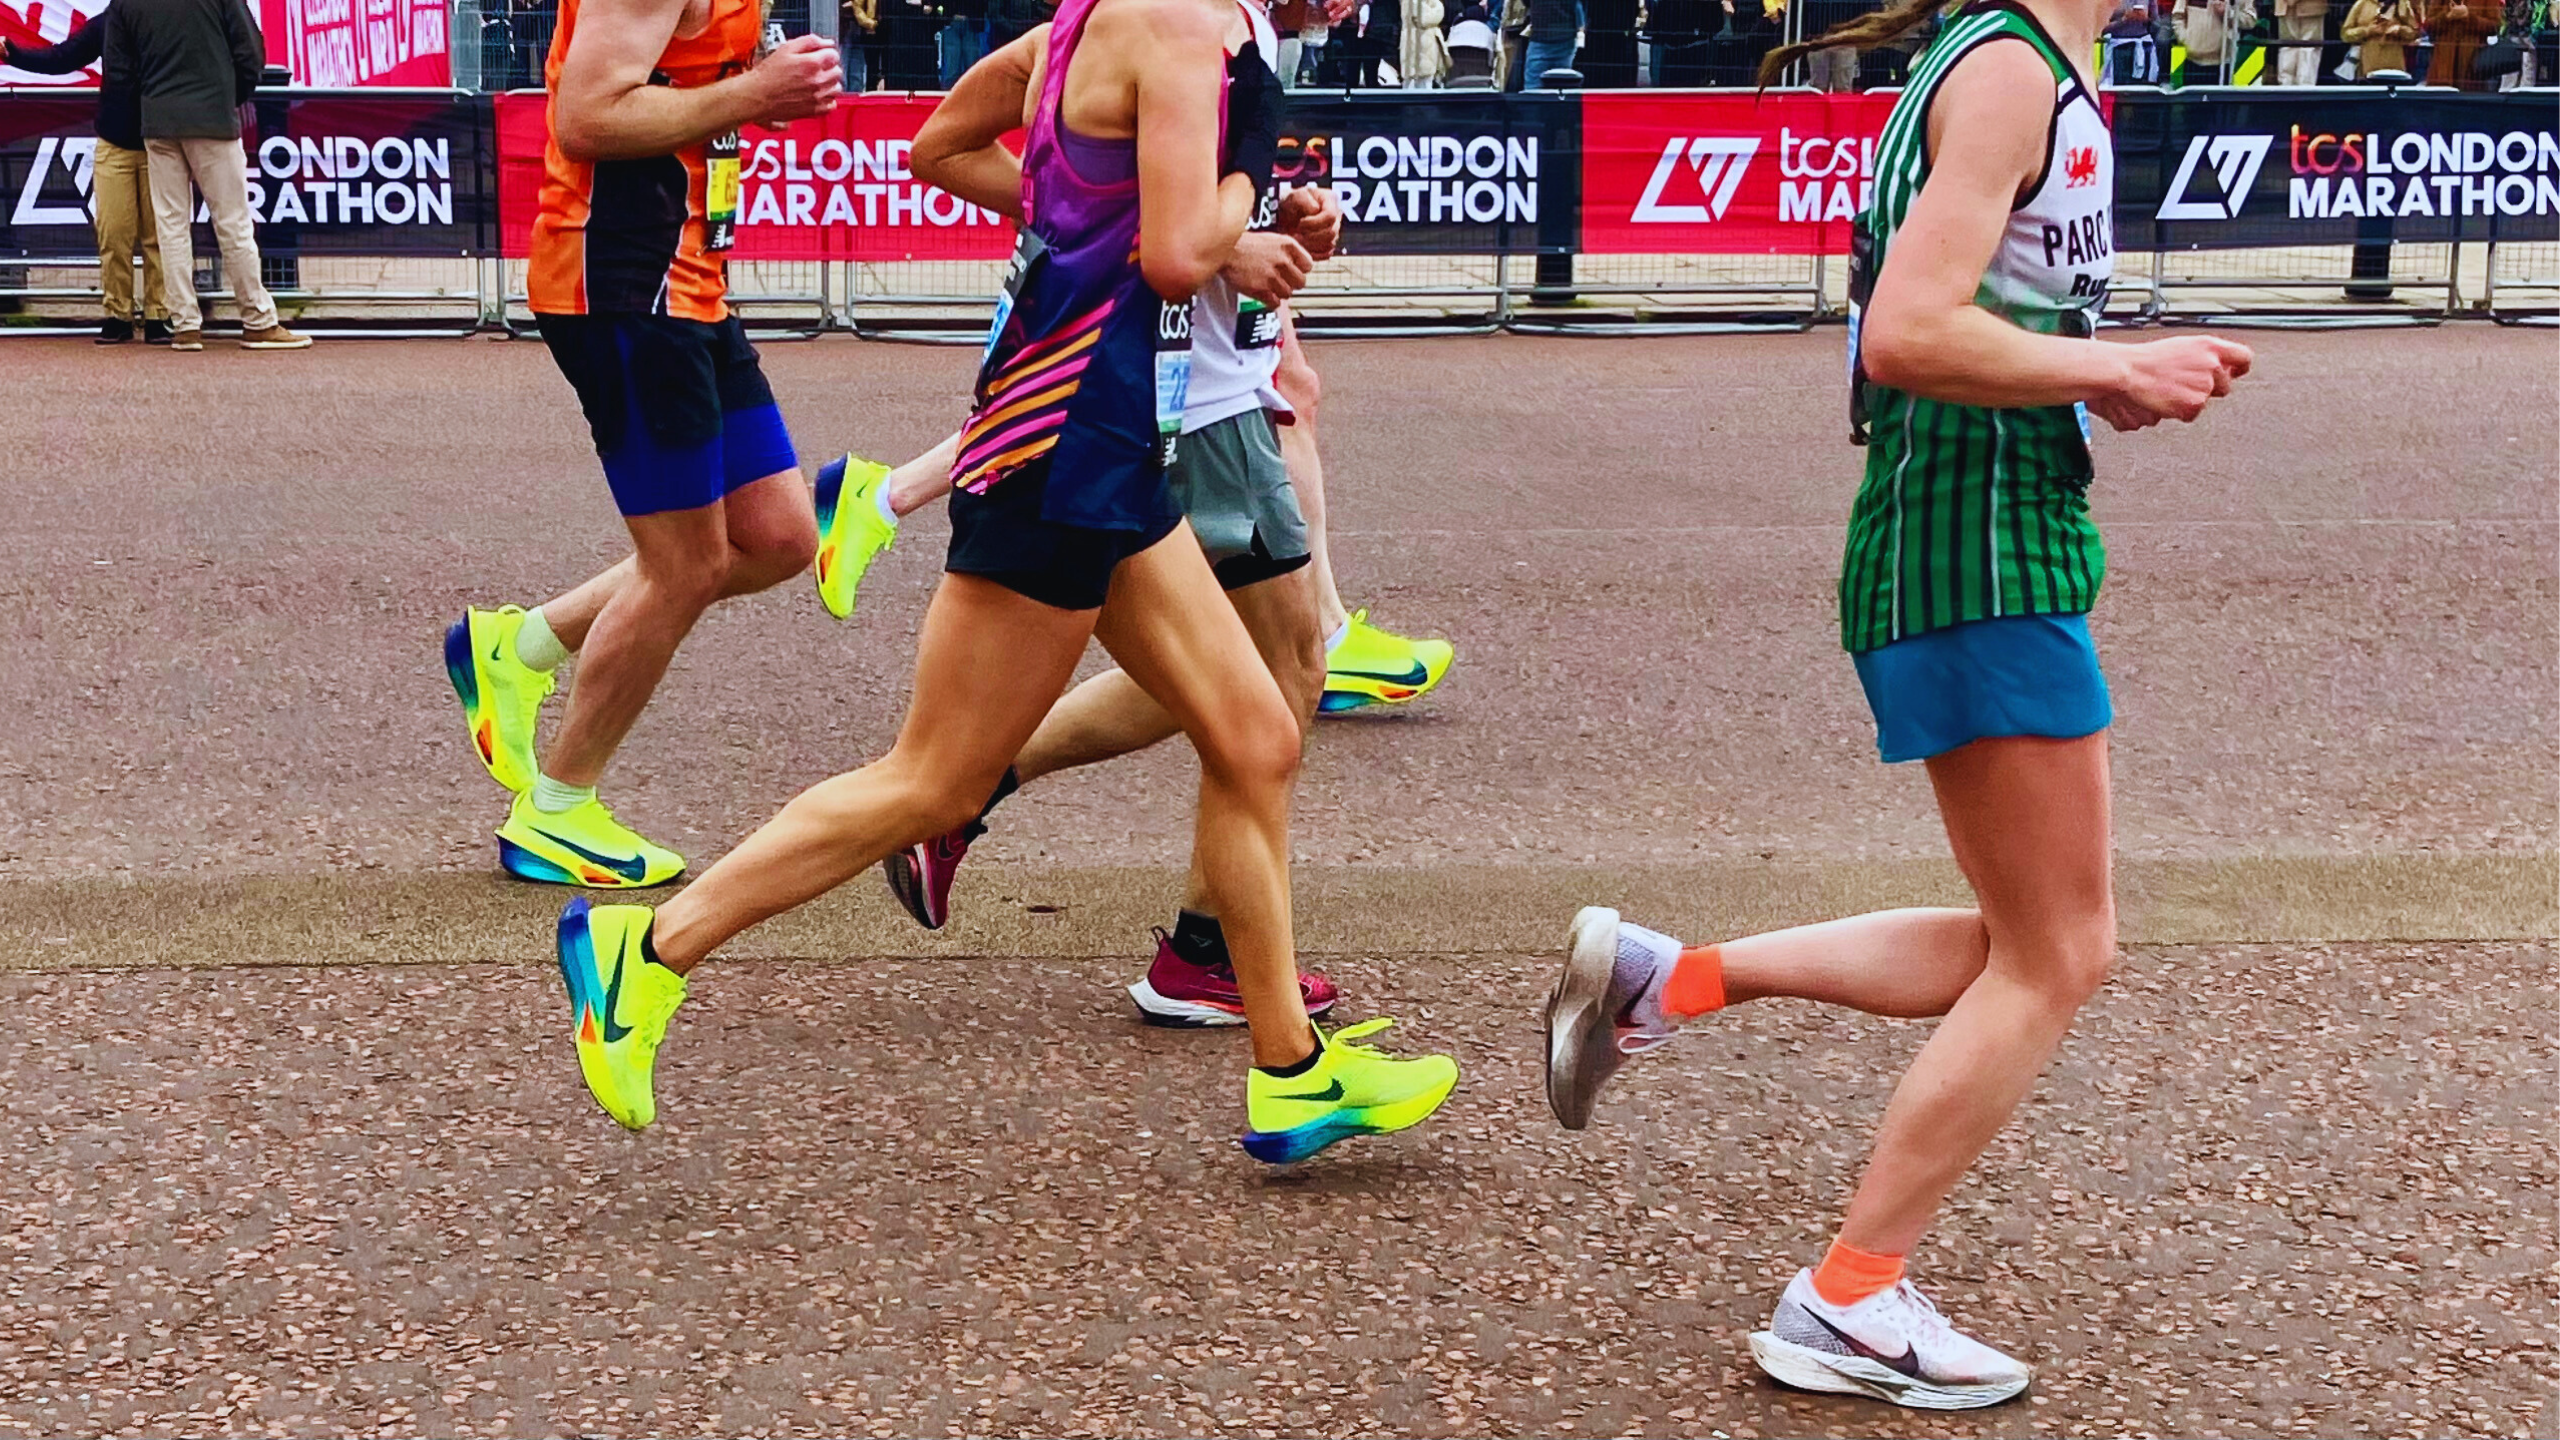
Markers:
{"x": 856, "y": 20}
{"x": 2381, "y": 31}
{"x": 1833, "y": 71}
{"x": 119, "y": 184}
{"x": 2210, "y": 29}
{"x": 965, "y": 40}
{"x": 910, "y": 45}
{"x": 2458, "y": 28}
{"x": 197, "y": 63}
{"x": 1422, "y": 55}
{"x": 1010, "y": 20}
{"x": 1472, "y": 45}
{"x": 1753, "y": 29}
{"x": 2299, "y": 24}
{"x": 1681, "y": 32}
{"x": 2133, "y": 49}
{"x": 1555, "y": 37}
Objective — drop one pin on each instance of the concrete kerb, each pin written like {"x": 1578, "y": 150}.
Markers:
{"x": 1051, "y": 911}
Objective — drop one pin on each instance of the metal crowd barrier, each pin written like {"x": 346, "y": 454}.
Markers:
{"x": 946, "y": 297}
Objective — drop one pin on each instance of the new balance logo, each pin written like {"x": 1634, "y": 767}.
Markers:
{"x": 2235, "y": 161}
{"x": 1708, "y": 167}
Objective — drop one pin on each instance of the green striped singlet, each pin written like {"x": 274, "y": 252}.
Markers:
{"x": 1969, "y": 513}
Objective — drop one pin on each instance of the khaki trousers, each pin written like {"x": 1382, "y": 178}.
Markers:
{"x": 220, "y": 169}
{"x": 120, "y": 184}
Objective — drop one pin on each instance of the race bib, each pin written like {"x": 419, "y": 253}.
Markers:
{"x": 1028, "y": 249}
{"x": 1173, "y": 375}
{"x": 720, "y": 192}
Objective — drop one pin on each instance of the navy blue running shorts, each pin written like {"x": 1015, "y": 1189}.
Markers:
{"x": 679, "y": 409}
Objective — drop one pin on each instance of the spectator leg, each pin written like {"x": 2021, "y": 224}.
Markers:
{"x": 221, "y": 171}
{"x": 2298, "y": 63}
{"x": 173, "y": 205}
{"x": 121, "y": 184}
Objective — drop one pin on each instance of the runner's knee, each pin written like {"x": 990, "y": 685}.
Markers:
{"x": 1254, "y": 749}
{"x": 691, "y": 582}
{"x": 2067, "y": 954}
{"x": 768, "y": 559}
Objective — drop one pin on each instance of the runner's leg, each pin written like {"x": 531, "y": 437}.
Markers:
{"x": 1298, "y": 384}
{"x": 988, "y": 666}
{"x": 681, "y": 562}
{"x": 771, "y": 532}
{"x": 1167, "y": 627}
{"x": 2028, "y": 820}
{"x": 1109, "y": 716}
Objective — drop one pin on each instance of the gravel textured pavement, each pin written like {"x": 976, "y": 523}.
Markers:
{"x": 2301, "y": 1190}
{"x": 2294, "y": 1174}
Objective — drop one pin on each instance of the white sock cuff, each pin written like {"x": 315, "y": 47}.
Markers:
{"x": 1333, "y": 641}
{"x": 536, "y": 646}
{"x": 552, "y": 798}
{"x": 887, "y": 511}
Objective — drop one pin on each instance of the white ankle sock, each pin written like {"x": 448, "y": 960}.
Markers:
{"x": 551, "y": 797}
{"x": 888, "y": 512}
{"x": 536, "y": 646}
{"x": 1333, "y": 641}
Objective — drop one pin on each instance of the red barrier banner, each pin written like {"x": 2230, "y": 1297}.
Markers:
{"x": 833, "y": 188}
{"x": 338, "y": 44}
{"x": 1726, "y": 174}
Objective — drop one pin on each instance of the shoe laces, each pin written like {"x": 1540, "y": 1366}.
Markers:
{"x": 1347, "y": 1038}
{"x": 1920, "y": 1315}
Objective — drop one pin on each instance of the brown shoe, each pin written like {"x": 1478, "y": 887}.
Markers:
{"x": 187, "y": 340}
{"x": 274, "y": 337}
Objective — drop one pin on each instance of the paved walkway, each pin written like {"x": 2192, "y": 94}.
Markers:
{"x": 2293, "y": 1175}
{"x": 2291, "y": 1190}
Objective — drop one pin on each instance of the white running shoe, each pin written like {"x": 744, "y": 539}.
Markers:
{"x": 1605, "y": 1007}
{"x": 1893, "y": 1345}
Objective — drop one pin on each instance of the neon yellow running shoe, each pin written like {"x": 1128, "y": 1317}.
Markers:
{"x": 501, "y": 695}
{"x": 1370, "y": 666}
{"x": 619, "y": 1005}
{"x": 851, "y": 530}
{"x": 585, "y": 846}
{"x": 1350, "y": 1090}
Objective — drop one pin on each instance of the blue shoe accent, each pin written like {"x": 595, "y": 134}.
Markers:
{"x": 1288, "y": 1147}
{"x": 458, "y": 667}
{"x": 525, "y": 865}
{"x": 576, "y": 951}
{"x": 830, "y": 488}
{"x": 1336, "y": 702}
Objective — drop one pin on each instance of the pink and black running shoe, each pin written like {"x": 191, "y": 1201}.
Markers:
{"x": 920, "y": 875}
{"x": 1188, "y": 995}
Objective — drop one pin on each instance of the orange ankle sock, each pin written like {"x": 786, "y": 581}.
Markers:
{"x": 1847, "y": 1276}
{"x": 1696, "y": 985}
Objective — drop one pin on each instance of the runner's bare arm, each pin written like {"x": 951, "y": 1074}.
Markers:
{"x": 1188, "y": 222}
{"x": 960, "y": 146}
{"x": 1924, "y": 334}
{"x": 606, "y": 109}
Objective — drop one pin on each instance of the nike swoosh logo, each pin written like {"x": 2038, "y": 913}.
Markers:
{"x": 614, "y": 1030}
{"x": 1414, "y": 676}
{"x": 634, "y": 869}
{"x": 1907, "y": 1363}
{"x": 1330, "y": 1092}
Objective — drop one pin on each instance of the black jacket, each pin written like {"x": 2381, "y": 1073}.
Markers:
{"x": 195, "y": 61}
{"x": 119, "y": 103}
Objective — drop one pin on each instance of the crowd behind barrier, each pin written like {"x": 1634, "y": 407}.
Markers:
{"x": 1677, "y": 44}
{"x": 1652, "y": 192}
